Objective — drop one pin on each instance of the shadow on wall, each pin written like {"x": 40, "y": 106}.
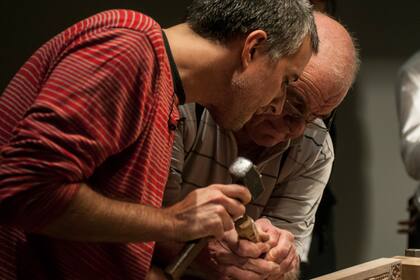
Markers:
{"x": 349, "y": 181}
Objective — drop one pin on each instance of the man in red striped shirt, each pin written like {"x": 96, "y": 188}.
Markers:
{"x": 87, "y": 126}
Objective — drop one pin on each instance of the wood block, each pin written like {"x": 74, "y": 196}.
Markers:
{"x": 410, "y": 267}
{"x": 380, "y": 269}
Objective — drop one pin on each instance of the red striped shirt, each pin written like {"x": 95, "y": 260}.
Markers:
{"x": 91, "y": 105}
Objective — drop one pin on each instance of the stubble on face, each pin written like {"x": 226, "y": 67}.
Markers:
{"x": 239, "y": 104}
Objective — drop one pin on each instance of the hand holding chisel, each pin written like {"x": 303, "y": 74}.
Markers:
{"x": 243, "y": 172}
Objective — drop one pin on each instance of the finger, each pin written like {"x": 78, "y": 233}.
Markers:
{"x": 291, "y": 272}
{"x": 225, "y": 222}
{"x": 234, "y": 191}
{"x": 261, "y": 266}
{"x": 278, "y": 276}
{"x": 296, "y": 264}
{"x": 231, "y": 238}
{"x": 248, "y": 249}
{"x": 229, "y": 259}
{"x": 264, "y": 237}
{"x": 288, "y": 264}
{"x": 265, "y": 226}
{"x": 226, "y": 255}
{"x": 281, "y": 251}
{"x": 234, "y": 207}
{"x": 258, "y": 266}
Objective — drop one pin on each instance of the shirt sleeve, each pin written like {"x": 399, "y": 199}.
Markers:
{"x": 91, "y": 106}
{"x": 408, "y": 107}
{"x": 295, "y": 200}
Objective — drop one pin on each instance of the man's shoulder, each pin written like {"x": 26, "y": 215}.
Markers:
{"x": 112, "y": 25}
{"x": 121, "y": 18}
{"x": 315, "y": 134}
{"x": 314, "y": 145}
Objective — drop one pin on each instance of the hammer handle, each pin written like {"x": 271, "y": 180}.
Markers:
{"x": 175, "y": 270}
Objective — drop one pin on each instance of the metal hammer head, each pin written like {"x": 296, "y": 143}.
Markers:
{"x": 244, "y": 172}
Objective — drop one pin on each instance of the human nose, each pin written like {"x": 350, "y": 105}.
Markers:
{"x": 275, "y": 107}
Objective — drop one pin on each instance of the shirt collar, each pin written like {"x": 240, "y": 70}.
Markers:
{"x": 178, "y": 88}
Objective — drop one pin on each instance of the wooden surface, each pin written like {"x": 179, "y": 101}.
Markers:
{"x": 380, "y": 269}
{"x": 410, "y": 267}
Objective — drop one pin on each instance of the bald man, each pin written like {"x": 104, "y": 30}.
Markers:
{"x": 293, "y": 151}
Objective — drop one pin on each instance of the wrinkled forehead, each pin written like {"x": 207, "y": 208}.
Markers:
{"x": 309, "y": 96}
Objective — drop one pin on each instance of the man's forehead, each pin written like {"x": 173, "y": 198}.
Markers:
{"x": 297, "y": 63}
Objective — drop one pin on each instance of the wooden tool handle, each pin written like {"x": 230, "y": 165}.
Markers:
{"x": 246, "y": 229}
{"x": 175, "y": 270}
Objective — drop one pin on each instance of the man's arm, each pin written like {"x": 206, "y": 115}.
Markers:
{"x": 78, "y": 121}
{"x": 205, "y": 212}
{"x": 91, "y": 106}
{"x": 93, "y": 217}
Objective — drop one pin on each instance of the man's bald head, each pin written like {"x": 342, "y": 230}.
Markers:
{"x": 329, "y": 74}
{"x": 320, "y": 89}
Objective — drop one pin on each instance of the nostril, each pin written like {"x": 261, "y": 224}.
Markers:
{"x": 273, "y": 109}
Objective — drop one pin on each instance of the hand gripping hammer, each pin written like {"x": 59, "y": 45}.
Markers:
{"x": 243, "y": 172}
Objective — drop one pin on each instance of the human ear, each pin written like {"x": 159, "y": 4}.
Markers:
{"x": 252, "y": 45}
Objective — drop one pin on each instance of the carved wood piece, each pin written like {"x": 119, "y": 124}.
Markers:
{"x": 380, "y": 269}
{"x": 410, "y": 267}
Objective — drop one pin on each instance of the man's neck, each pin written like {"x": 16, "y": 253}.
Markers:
{"x": 202, "y": 64}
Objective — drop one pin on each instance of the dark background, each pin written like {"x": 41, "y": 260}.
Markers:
{"x": 26, "y": 25}
{"x": 368, "y": 178}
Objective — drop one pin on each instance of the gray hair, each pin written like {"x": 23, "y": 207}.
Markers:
{"x": 286, "y": 22}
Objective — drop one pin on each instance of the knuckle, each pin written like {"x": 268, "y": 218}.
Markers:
{"x": 220, "y": 210}
{"x": 281, "y": 253}
{"x": 217, "y": 196}
{"x": 214, "y": 187}
{"x": 243, "y": 252}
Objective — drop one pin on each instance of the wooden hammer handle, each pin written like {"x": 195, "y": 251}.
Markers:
{"x": 175, "y": 270}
